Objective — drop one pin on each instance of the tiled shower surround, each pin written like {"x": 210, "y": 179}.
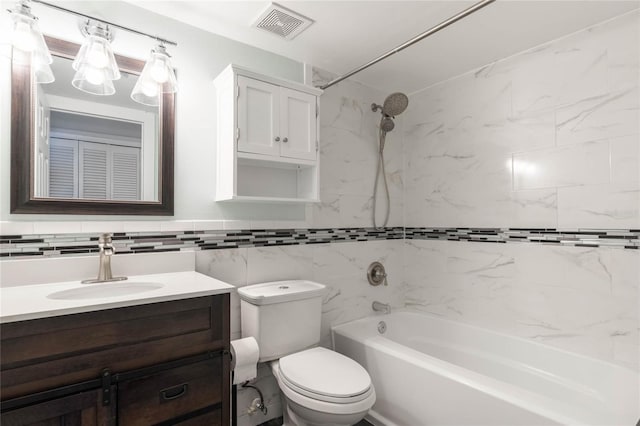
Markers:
{"x": 547, "y": 139}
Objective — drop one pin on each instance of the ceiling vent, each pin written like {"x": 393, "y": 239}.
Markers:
{"x": 282, "y": 22}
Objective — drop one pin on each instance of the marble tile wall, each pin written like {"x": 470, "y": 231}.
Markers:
{"x": 342, "y": 267}
{"x": 348, "y": 157}
{"x": 548, "y": 138}
{"x": 580, "y": 299}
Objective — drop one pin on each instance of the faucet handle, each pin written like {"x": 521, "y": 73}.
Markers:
{"x": 105, "y": 243}
{"x": 105, "y": 238}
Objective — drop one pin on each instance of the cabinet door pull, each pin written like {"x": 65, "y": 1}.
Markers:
{"x": 285, "y": 140}
{"x": 174, "y": 392}
{"x": 278, "y": 138}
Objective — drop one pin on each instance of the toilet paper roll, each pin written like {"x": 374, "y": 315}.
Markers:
{"x": 244, "y": 359}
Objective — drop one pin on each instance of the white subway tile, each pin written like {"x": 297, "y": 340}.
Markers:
{"x": 279, "y": 224}
{"x": 600, "y": 117}
{"x": 177, "y": 226}
{"x": 57, "y": 227}
{"x": 535, "y": 81}
{"x": 625, "y": 160}
{"x": 581, "y": 67}
{"x": 236, "y": 224}
{"x": 599, "y": 206}
{"x": 572, "y": 165}
{"x": 102, "y": 226}
{"x": 279, "y": 263}
{"x": 16, "y": 228}
{"x": 142, "y": 226}
{"x": 208, "y": 225}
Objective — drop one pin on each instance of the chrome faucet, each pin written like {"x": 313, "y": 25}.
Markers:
{"x": 381, "y": 307}
{"x": 106, "y": 251}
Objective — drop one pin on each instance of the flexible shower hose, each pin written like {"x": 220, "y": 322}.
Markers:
{"x": 382, "y": 136}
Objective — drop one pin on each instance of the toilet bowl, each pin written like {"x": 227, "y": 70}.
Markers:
{"x": 322, "y": 387}
{"x": 319, "y": 387}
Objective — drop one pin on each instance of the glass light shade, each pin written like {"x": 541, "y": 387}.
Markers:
{"x": 147, "y": 91}
{"x": 28, "y": 38}
{"x": 93, "y": 80}
{"x": 96, "y": 52}
{"x": 157, "y": 77}
{"x": 42, "y": 72}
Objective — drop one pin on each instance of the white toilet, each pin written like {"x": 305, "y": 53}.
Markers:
{"x": 320, "y": 387}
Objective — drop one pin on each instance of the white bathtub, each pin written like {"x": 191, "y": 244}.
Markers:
{"x": 431, "y": 371}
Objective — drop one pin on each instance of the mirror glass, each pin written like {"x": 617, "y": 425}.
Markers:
{"x": 93, "y": 147}
{"x": 74, "y": 152}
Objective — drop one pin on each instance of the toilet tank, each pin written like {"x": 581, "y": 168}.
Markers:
{"x": 283, "y": 316}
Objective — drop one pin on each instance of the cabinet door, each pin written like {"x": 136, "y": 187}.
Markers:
{"x": 258, "y": 117}
{"x": 83, "y": 409}
{"x": 297, "y": 124}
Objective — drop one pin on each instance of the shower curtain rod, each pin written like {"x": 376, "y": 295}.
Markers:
{"x": 433, "y": 30}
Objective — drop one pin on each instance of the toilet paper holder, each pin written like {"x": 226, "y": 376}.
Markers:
{"x": 245, "y": 354}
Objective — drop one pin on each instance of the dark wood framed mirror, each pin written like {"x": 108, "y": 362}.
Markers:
{"x": 135, "y": 148}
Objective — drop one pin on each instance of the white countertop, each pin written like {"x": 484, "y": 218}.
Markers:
{"x": 28, "y": 302}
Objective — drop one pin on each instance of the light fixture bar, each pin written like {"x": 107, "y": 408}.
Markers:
{"x": 73, "y": 12}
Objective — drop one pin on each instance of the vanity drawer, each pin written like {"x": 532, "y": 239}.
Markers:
{"x": 171, "y": 394}
{"x": 43, "y": 354}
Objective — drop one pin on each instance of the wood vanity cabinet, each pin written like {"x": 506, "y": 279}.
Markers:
{"x": 158, "y": 364}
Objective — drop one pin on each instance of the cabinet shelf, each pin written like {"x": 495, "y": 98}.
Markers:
{"x": 267, "y": 144}
{"x": 274, "y": 200}
{"x": 266, "y": 160}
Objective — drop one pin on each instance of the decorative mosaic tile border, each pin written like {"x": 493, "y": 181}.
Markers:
{"x": 623, "y": 238}
{"x": 52, "y": 245}
{"x": 144, "y": 242}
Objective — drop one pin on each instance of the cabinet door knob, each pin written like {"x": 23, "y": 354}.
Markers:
{"x": 285, "y": 140}
{"x": 277, "y": 138}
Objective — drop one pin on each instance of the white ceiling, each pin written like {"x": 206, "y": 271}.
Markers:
{"x": 347, "y": 34}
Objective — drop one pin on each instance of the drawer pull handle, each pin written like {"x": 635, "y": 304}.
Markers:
{"x": 174, "y": 392}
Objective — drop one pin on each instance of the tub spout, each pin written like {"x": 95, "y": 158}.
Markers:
{"x": 381, "y": 307}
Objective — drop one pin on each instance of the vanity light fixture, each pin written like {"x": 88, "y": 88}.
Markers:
{"x": 28, "y": 38}
{"x": 95, "y": 63}
{"x": 157, "y": 77}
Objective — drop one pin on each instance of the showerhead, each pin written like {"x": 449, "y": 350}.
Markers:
{"x": 387, "y": 124}
{"x": 395, "y": 104}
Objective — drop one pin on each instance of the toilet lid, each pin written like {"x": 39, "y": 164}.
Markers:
{"x": 323, "y": 372}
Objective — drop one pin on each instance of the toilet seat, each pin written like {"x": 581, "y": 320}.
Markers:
{"x": 338, "y": 406}
{"x": 325, "y": 375}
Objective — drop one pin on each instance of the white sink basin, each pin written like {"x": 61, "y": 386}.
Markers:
{"x": 100, "y": 291}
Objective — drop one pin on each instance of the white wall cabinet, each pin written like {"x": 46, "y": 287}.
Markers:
{"x": 267, "y": 142}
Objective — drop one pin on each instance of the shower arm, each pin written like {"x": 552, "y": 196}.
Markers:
{"x": 430, "y": 31}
